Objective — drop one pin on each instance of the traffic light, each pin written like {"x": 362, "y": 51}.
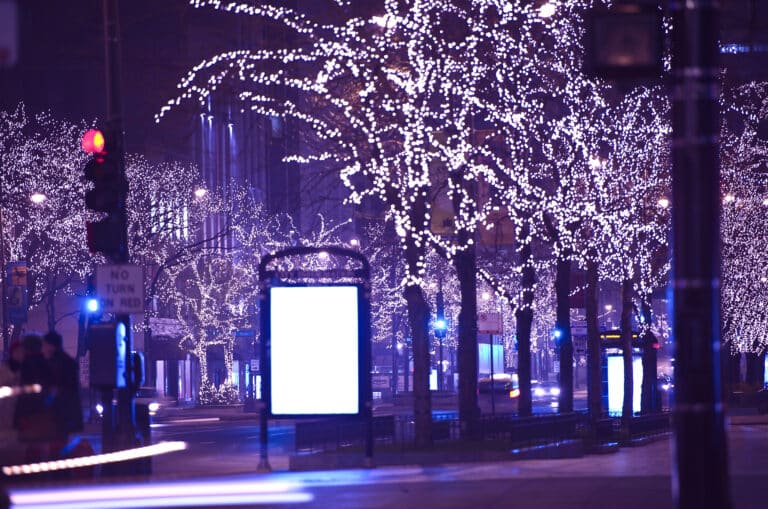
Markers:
{"x": 107, "y": 195}
{"x": 558, "y": 335}
{"x": 92, "y": 305}
{"x": 440, "y": 327}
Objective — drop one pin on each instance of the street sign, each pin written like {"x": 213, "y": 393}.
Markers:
{"x": 16, "y": 273}
{"x": 120, "y": 288}
{"x": 169, "y": 327}
{"x": 381, "y": 381}
{"x": 489, "y": 323}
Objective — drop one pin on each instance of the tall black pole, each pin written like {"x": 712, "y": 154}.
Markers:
{"x": 126, "y": 435}
{"x": 3, "y": 289}
{"x": 700, "y": 469}
{"x": 440, "y": 331}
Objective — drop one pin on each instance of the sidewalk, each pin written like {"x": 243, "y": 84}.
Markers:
{"x": 236, "y": 413}
{"x": 223, "y": 413}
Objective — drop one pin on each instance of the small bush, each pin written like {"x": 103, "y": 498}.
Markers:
{"x": 224, "y": 394}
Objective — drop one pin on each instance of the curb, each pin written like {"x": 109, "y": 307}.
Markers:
{"x": 340, "y": 460}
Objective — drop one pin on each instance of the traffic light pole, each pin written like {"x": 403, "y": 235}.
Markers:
{"x": 700, "y": 478}
{"x": 126, "y": 432}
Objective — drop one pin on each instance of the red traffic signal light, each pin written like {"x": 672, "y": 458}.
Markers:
{"x": 109, "y": 192}
{"x": 93, "y": 141}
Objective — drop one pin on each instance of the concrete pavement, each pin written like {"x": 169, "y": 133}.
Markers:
{"x": 631, "y": 478}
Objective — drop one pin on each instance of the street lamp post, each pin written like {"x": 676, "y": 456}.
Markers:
{"x": 440, "y": 330}
{"x": 37, "y": 199}
{"x": 6, "y": 339}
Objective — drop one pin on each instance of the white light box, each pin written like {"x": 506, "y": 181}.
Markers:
{"x": 314, "y": 358}
{"x": 616, "y": 383}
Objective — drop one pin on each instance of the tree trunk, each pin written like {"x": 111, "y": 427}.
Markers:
{"x": 594, "y": 353}
{"x": 50, "y": 306}
{"x": 626, "y": 348}
{"x": 732, "y": 375}
{"x": 418, "y": 317}
{"x": 82, "y": 333}
{"x": 649, "y": 400}
{"x": 469, "y": 412}
{"x": 395, "y": 355}
{"x": 202, "y": 356}
{"x": 755, "y": 375}
{"x": 563, "y": 326}
{"x": 524, "y": 320}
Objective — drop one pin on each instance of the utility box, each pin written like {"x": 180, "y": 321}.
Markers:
{"x": 106, "y": 342}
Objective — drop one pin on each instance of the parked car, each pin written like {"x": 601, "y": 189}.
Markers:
{"x": 544, "y": 391}
{"x": 502, "y": 383}
{"x": 665, "y": 383}
{"x": 144, "y": 396}
{"x": 148, "y": 396}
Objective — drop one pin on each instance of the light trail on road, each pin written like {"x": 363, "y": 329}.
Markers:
{"x": 196, "y": 493}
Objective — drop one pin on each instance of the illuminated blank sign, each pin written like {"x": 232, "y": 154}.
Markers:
{"x": 616, "y": 383}
{"x": 314, "y": 350}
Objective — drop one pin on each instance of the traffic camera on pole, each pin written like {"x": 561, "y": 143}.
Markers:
{"x": 107, "y": 195}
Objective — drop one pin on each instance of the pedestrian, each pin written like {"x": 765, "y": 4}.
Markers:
{"x": 10, "y": 376}
{"x": 63, "y": 392}
{"x": 33, "y": 418}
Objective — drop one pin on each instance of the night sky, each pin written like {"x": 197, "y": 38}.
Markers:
{"x": 60, "y": 64}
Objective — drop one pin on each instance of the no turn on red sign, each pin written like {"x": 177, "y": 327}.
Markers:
{"x": 120, "y": 288}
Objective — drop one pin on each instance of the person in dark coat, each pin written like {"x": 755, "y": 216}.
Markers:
{"x": 33, "y": 418}
{"x": 64, "y": 389}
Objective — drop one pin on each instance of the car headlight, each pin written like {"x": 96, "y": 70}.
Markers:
{"x": 555, "y": 391}
{"x": 538, "y": 391}
{"x": 100, "y": 409}
{"x": 665, "y": 387}
{"x": 153, "y": 407}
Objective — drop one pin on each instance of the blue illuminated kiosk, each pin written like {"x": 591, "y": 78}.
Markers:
{"x": 612, "y": 371}
{"x": 315, "y": 339}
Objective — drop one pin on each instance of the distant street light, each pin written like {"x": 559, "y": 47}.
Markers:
{"x": 38, "y": 198}
{"x": 547, "y": 10}
{"x": 200, "y": 192}
{"x": 385, "y": 21}
{"x": 663, "y": 202}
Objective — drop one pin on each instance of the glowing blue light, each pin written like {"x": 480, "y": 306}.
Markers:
{"x": 92, "y": 305}
{"x": 557, "y": 333}
{"x": 441, "y": 324}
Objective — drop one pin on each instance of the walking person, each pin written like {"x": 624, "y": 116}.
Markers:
{"x": 33, "y": 418}
{"x": 10, "y": 377}
{"x": 63, "y": 392}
